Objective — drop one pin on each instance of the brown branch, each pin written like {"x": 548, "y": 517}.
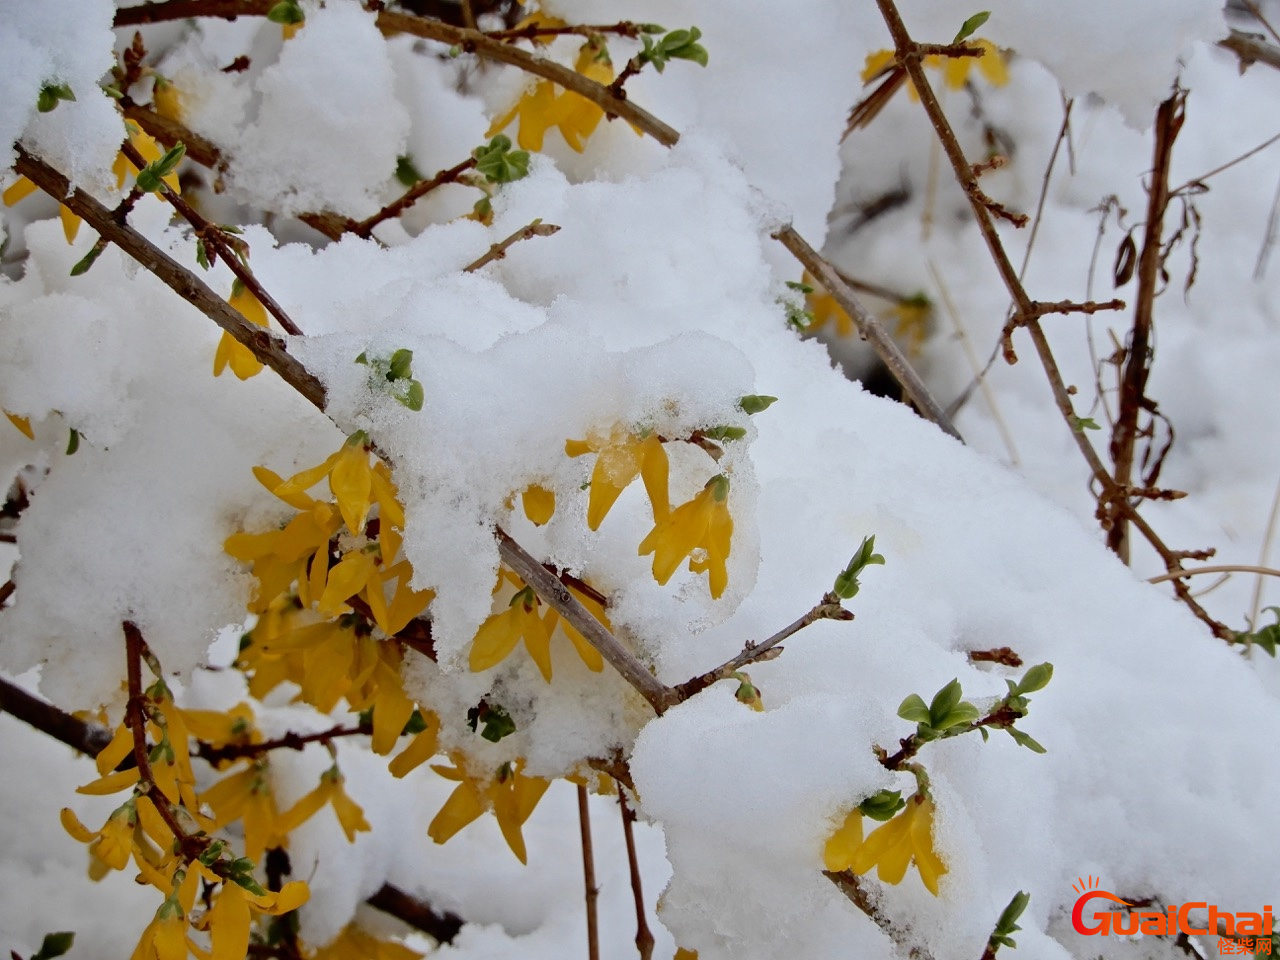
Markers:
{"x": 828, "y": 609}
{"x": 169, "y": 132}
{"x": 869, "y": 328}
{"x": 624, "y": 28}
{"x": 191, "y": 846}
{"x": 644, "y": 936}
{"x": 214, "y": 236}
{"x": 1217, "y": 568}
{"x": 1137, "y": 368}
{"x": 588, "y": 874}
{"x": 264, "y": 345}
{"x": 1002, "y": 655}
{"x": 1002, "y": 716}
{"x": 499, "y": 250}
{"x": 1251, "y": 48}
{"x": 1040, "y": 308}
{"x": 290, "y": 741}
{"x": 442, "y": 927}
{"x": 850, "y": 884}
{"x": 364, "y": 228}
{"x": 557, "y": 596}
{"x": 84, "y": 737}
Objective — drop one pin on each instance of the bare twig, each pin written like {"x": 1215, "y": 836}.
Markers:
{"x": 499, "y": 250}
{"x": 1261, "y": 571}
{"x": 644, "y": 936}
{"x": 1256, "y": 602}
{"x": 1109, "y": 493}
{"x": 624, "y": 28}
{"x": 588, "y": 874}
{"x": 1040, "y": 308}
{"x": 828, "y": 609}
{"x": 85, "y": 737}
{"x": 290, "y": 741}
{"x": 869, "y": 327}
{"x": 264, "y": 345}
{"x": 442, "y": 927}
{"x": 1199, "y": 181}
{"x": 1137, "y": 368}
{"x": 415, "y": 193}
{"x": 169, "y": 132}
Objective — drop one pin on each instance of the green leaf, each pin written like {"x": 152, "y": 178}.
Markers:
{"x": 676, "y": 45}
{"x": 1025, "y": 741}
{"x": 247, "y": 881}
{"x": 152, "y": 175}
{"x": 652, "y": 28}
{"x": 286, "y": 12}
{"x": 943, "y": 702}
{"x": 756, "y": 403}
{"x": 1037, "y": 678}
{"x": 1008, "y": 921}
{"x": 54, "y": 945}
{"x": 413, "y": 397}
{"x": 401, "y": 365}
{"x": 846, "y": 585}
{"x": 406, "y": 172}
{"x": 416, "y": 724}
{"x": 52, "y": 94}
{"x": 883, "y": 805}
{"x": 725, "y": 433}
{"x": 499, "y": 163}
{"x": 962, "y": 712}
{"x": 496, "y": 721}
{"x": 84, "y": 263}
{"x": 799, "y": 287}
{"x": 913, "y": 709}
{"x": 1268, "y": 638}
{"x": 1080, "y": 424}
{"x": 202, "y": 255}
{"x": 971, "y": 26}
{"x": 73, "y": 442}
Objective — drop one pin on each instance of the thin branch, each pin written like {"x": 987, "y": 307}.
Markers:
{"x": 214, "y": 236}
{"x": 135, "y": 718}
{"x": 588, "y": 874}
{"x": 557, "y": 596}
{"x": 415, "y": 193}
{"x": 1258, "y": 15}
{"x": 169, "y": 132}
{"x": 1263, "y": 553}
{"x": 263, "y": 344}
{"x": 624, "y": 28}
{"x": 1199, "y": 181}
{"x": 644, "y": 936}
{"x": 1137, "y": 368}
{"x": 1041, "y": 308}
{"x": 1261, "y": 571}
{"x": 290, "y": 741}
{"x": 499, "y": 250}
{"x": 828, "y": 609}
{"x": 850, "y": 884}
{"x": 870, "y": 329}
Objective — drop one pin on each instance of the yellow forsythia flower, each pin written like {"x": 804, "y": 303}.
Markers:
{"x": 113, "y": 844}
{"x": 511, "y": 795}
{"x": 167, "y": 99}
{"x": 330, "y": 791}
{"x": 572, "y": 114}
{"x": 500, "y": 633}
{"x": 354, "y": 944}
{"x": 23, "y": 424}
{"x": 231, "y": 352}
{"x": 893, "y": 846}
{"x": 955, "y": 70}
{"x": 539, "y": 503}
{"x": 844, "y": 843}
{"x": 701, "y": 524}
{"x": 623, "y": 456}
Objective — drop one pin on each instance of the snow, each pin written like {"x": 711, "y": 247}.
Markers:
{"x": 655, "y": 307}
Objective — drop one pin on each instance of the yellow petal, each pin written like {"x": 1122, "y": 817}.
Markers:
{"x": 346, "y": 580}
{"x": 71, "y": 823}
{"x": 19, "y": 190}
{"x": 352, "y": 483}
{"x": 121, "y": 746}
{"x": 228, "y": 923}
{"x": 350, "y": 814}
{"x": 306, "y": 807}
{"x": 495, "y": 639}
{"x": 839, "y": 850}
{"x": 462, "y": 807}
{"x": 420, "y": 749}
{"x": 391, "y": 712}
{"x": 881, "y": 840}
{"x": 22, "y": 423}
{"x": 70, "y": 223}
{"x": 111, "y": 783}
{"x": 537, "y": 641}
{"x": 539, "y": 503}
{"x": 654, "y": 470}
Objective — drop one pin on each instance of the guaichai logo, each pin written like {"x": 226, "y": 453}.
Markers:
{"x": 1176, "y": 919}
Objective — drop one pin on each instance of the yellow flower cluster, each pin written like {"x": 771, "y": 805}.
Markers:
{"x": 547, "y": 105}
{"x": 891, "y": 847}
{"x": 137, "y": 831}
{"x": 231, "y": 352}
{"x": 315, "y": 616}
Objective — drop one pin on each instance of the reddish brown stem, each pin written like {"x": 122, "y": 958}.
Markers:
{"x": 588, "y": 874}
{"x": 644, "y": 936}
